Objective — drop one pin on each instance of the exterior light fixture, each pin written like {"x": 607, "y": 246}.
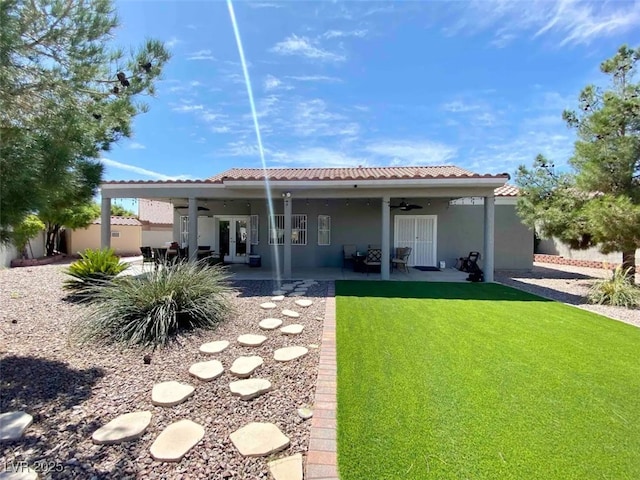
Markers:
{"x": 286, "y": 194}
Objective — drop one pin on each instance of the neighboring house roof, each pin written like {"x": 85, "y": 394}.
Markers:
{"x": 120, "y": 221}
{"x": 507, "y": 191}
{"x": 328, "y": 174}
{"x": 155, "y": 212}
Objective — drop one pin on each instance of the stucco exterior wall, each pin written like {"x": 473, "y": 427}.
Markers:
{"x": 127, "y": 244}
{"x": 157, "y": 236}
{"x": 459, "y": 230}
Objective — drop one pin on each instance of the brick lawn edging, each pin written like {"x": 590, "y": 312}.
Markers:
{"x": 322, "y": 457}
{"x": 560, "y": 260}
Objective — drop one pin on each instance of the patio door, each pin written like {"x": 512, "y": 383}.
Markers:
{"x": 233, "y": 239}
{"x": 420, "y": 233}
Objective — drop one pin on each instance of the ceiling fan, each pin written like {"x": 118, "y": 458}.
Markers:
{"x": 200, "y": 209}
{"x": 405, "y": 207}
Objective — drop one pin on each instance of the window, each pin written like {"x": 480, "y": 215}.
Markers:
{"x": 254, "y": 229}
{"x": 115, "y": 234}
{"x": 324, "y": 230}
{"x": 184, "y": 230}
{"x": 298, "y": 230}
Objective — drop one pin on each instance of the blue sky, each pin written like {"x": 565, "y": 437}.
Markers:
{"x": 481, "y": 85}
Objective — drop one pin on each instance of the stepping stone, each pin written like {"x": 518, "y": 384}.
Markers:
{"x": 304, "y": 302}
{"x": 123, "y": 428}
{"x": 297, "y": 294}
{"x": 21, "y": 473}
{"x": 259, "y": 439}
{"x": 270, "y": 323}
{"x": 293, "y": 329}
{"x": 287, "y": 287}
{"x": 244, "y": 366}
{"x": 250, "y": 388}
{"x": 278, "y": 292}
{"x": 287, "y": 354}
{"x": 13, "y": 425}
{"x": 278, "y": 298}
{"x": 214, "y": 347}
{"x": 300, "y": 290}
{"x": 268, "y": 305}
{"x": 206, "y": 370}
{"x": 288, "y": 468}
{"x": 168, "y": 394}
{"x": 290, "y": 314}
{"x": 176, "y": 440}
{"x": 305, "y": 413}
{"x": 250, "y": 340}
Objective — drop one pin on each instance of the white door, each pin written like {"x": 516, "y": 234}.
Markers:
{"x": 233, "y": 238}
{"x": 420, "y": 233}
{"x": 206, "y": 232}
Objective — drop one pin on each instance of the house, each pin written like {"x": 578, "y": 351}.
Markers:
{"x": 157, "y": 222}
{"x": 124, "y": 237}
{"x": 301, "y": 217}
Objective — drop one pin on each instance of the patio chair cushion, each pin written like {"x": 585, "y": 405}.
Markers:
{"x": 374, "y": 257}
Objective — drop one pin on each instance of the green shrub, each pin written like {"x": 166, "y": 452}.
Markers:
{"x": 94, "y": 268}
{"x": 150, "y": 310}
{"x": 617, "y": 290}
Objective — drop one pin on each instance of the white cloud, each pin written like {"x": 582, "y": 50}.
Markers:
{"x": 187, "y": 108}
{"x": 201, "y": 55}
{"x": 406, "y": 152}
{"x": 141, "y": 171}
{"x": 304, "y": 47}
{"x": 343, "y": 33}
{"x": 221, "y": 129}
{"x": 313, "y": 118}
{"x": 271, "y": 83}
{"x": 317, "y": 156}
{"x": 460, "y": 106}
{"x": 314, "y": 78}
{"x": 264, "y": 5}
{"x": 136, "y": 146}
{"x": 172, "y": 42}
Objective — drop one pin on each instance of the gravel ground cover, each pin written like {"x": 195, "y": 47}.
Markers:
{"x": 72, "y": 391}
{"x": 567, "y": 284}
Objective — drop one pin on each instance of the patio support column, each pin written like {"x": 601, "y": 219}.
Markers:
{"x": 386, "y": 220}
{"x": 193, "y": 229}
{"x": 105, "y": 223}
{"x": 287, "y": 234}
{"x": 489, "y": 237}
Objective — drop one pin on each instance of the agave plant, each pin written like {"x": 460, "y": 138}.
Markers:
{"x": 93, "y": 268}
{"x": 617, "y": 290}
{"x": 153, "y": 309}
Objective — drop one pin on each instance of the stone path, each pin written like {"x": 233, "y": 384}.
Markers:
{"x": 250, "y": 388}
{"x": 124, "y": 428}
{"x": 250, "y": 340}
{"x": 259, "y": 439}
{"x": 288, "y": 468}
{"x": 214, "y": 347}
{"x": 293, "y": 329}
{"x": 287, "y": 354}
{"x": 207, "y": 371}
{"x": 176, "y": 440}
{"x": 244, "y": 366}
{"x": 13, "y": 425}
{"x": 270, "y": 323}
{"x": 169, "y": 394}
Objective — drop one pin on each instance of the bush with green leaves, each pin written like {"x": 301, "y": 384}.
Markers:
{"x": 618, "y": 290}
{"x": 94, "y": 268}
{"x": 153, "y": 309}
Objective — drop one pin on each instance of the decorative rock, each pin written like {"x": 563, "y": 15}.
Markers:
{"x": 287, "y": 354}
{"x": 176, "y": 440}
{"x": 268, "y": 305}
{"x": 278, "y": 292}
{"x": 250, "y": 388}
{"x": 123, "y": 428}
{"x": 304, "y": 302}
{"x": 305, "y": 413}
{"x": 168, "y": 394}
{"x": 300, "y": 290}
{"x": 214, "y": 347}
{"x": 290, "y": 313}
{"x": 293, "y": 329}
{"x": 296, "y": 294}
{"x": 13, "y": 424}
{"x": 20, "y": 473}
{"x": 259, "y": 439}
{"x": 313, "y": 345}
{"x": 270, "y": 323}
{"x": 250, "y": 340}
{"x": 288, "y": 468}
{"x": 244, "y": 366}
{"x": 206, "y": 370}
{"x": 278, "y": 298}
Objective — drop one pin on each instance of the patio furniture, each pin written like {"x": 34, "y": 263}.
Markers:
{"x": 348, "y": 251}
{"x": 147, "y": 255}
{"x": 401, "y": 258}
{"x": 358, "y": 262}
{"x": 373, "y": 260}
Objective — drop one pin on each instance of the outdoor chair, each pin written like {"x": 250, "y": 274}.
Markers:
{"x": 348, "y": 251}
{"x": 147, "y": 255}
{"x": 401, "y": 258}
{"x": 374, "y": 259}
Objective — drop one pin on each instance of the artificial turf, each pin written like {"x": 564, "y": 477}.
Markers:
{"x": 481, "y": 381}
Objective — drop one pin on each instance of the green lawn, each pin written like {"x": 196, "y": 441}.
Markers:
{"x": 481, "y": 381}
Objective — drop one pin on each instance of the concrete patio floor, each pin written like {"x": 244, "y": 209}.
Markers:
{"x": 244, "y": 272}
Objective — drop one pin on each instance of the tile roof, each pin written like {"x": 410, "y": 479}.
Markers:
{"x": 155, "y": 212}
{"x": 356, "y": 173}
{"x": 507, "y": 191}
{"x": 120, "y": 221}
